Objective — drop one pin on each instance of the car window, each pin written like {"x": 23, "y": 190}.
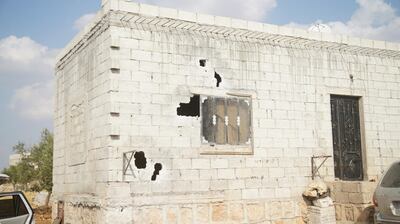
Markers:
{"x": 392, "y": 177}
{"x": 12, "y": 206}
{"x": 6, "y": 207}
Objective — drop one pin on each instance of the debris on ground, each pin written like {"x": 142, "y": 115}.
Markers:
{"x": 316, "y": 190}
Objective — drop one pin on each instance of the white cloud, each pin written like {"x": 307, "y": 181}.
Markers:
{"x": 250, "y": 10}
{"x": 373, "y": 19}
{"x": 34, "y": 101}
{"x": 81, "y": 22}
{"x": 25, "y": 56}
{"x": 23, "y": 62}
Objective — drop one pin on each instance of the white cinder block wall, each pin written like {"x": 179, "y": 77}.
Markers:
{"x": 120, "y": 82}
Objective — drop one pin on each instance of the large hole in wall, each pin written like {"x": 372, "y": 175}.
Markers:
{"x": 202, "y": 62}
{"x": 157, "y": 168}
{"x": 218, "y": 78}
{"x": 140, "y": 160}
{"x": 191, "y": 109}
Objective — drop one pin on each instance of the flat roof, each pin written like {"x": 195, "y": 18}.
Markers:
{"x": 156, "y": 12}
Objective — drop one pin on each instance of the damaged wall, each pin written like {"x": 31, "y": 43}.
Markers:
{"x": 142, "y": 98}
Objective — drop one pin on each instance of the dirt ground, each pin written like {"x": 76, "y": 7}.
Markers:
{"x": 42, "y": 214}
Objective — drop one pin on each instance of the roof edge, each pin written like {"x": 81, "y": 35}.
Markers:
{"x": 204, "y": 19}
{"x": 78, "y": 37}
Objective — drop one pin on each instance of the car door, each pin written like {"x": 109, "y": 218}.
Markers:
{"x": 15, "y": 209}
{"x": 388, "y": 194}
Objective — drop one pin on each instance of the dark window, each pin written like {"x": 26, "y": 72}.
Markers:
{"x": 226, "y": 121}
{"x": 12, "y": 206}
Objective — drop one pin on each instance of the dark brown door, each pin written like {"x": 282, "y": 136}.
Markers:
{"x": 346, "y": 137}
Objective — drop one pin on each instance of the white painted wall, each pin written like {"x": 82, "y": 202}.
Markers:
{"x": 120, "y": 92}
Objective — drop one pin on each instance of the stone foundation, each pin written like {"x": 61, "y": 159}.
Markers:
{"x": 217, "y": 212}
{"x": 321, "y": 215}
{"x": 222, "y": 212}
{"x": 353, "y": 201}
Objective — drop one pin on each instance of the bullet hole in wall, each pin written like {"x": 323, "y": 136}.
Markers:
{"x": 140, "y": 160}
{"x": 218, "y": 78}
{"x": 114, "y": 137}
{"x": 115, "y": 70}
{"x": 191, "y": 109}
{"x": 114, "y": 114}
{"x": 202, "y": 62}
{"x": 157, "y": 168}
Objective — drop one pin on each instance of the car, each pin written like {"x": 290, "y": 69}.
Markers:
{"x": 15, "y": 208}
{"x": 387, "y": 196}
{"x": 3, "y": 178}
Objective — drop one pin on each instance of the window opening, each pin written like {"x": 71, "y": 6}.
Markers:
{"x": 226, "y": 121}
{"x": 191, "y": 109}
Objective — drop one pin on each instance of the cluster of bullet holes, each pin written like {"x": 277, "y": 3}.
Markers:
{"x": 218, "y": 78}
{"x": 191, "y": 109}
{"x": 141, "y": 163}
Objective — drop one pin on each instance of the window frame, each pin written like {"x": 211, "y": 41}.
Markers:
{"x": 208, "y": 148}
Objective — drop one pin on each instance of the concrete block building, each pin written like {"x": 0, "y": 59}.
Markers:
{"x": 167, "y": 116}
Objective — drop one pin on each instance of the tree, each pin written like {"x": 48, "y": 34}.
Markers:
{"x": 12, "y": 172}
{"x": 35, "y": 170}
{"x": 42, "y": 157}
{"x": 23, "y": 173}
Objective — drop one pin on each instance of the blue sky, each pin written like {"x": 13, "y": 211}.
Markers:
{"x": 32, "y": 32}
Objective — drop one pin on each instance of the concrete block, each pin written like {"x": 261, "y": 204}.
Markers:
{"x": 223, "y": 21}
{"x": 226, "y": 173}
{"x": 149, "y": 10}
{"x": 219, "y": 163}
{"x": 239, "y": 24}
{"x": 187, "y": 16}
{"x": 250, "y": 194}
{"x": 379, "y": 44}
{"x": 205, "y": 19}
{"x": 236, "y": 212}
{"x": 201, "y": 163}
{"x": 219, "y": 212}
{"x": 129, "y": 6}
{"x": 255, "y": 212}
{"x": 181, "y": 164}
{"x": 168, "y": 13}
{"x": 202, "y": 213}
{"x": 321, "y": 215}
{"x": 267, "y": 193}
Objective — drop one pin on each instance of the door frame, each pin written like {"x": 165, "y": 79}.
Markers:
{"x": 362, "y": 131}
